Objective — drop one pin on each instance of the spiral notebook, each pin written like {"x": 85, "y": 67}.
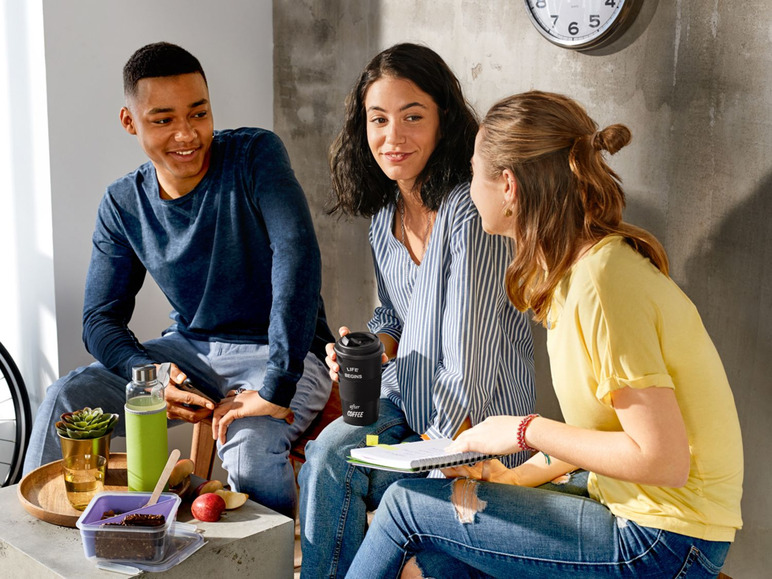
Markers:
{"x": 417, "y": 456}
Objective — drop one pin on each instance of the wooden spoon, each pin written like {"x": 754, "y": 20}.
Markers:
{"x": 162, "y": 480}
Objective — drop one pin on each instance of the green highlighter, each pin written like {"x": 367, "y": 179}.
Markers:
{"x": 146, "y": 429}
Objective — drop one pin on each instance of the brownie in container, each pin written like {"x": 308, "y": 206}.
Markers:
{"x": 135, "y": 533}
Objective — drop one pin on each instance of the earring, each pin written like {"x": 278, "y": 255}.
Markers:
{"x": 507, "y": 211}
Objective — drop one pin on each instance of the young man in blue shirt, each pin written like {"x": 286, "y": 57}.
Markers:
{"x": 221, "y": 224}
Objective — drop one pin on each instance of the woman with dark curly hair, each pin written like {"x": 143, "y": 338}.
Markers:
{"x": 456, "y": 351}
{"x": 649, "y": 413}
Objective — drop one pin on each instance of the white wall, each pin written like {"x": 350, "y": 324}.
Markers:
{"x": 87, "y": 43}
{"x": 27, "y": 312}
{"x": 61, "y": 144}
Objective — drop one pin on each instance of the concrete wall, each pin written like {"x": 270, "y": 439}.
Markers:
{"x": 311, "y": 80}
{"x": 693, "y": 82}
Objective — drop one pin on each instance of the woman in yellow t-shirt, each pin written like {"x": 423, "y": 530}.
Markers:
{"x": 649, "y": 413}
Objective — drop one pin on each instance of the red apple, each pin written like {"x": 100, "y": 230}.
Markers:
{"x": 208, "y": 507}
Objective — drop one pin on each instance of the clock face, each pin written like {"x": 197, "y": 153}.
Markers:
{"x": 581, "y": 24}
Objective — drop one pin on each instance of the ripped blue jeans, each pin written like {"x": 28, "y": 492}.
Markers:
{"x": 464, "y": 528}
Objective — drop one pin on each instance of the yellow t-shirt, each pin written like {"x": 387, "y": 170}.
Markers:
{"x": 617, "y": 321}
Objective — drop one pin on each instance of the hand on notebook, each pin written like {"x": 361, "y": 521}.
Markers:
{"x": 494, "y": 435}
{"x": 492, "y": 470}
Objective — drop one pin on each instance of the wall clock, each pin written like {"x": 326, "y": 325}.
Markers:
{"x": 582, "y": 24}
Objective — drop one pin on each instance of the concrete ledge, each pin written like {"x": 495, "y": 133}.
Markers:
{"x": 250, "y": 541}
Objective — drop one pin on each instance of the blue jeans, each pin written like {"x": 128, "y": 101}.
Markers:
{"x": 335, "y": 495}
{"x": 464, "y": 528}
{"x": 256, "y": 452}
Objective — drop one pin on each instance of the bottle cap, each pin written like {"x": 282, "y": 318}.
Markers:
{"x": 144, "y": 373}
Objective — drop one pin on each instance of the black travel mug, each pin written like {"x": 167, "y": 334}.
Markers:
{"x": 359, "y": 358}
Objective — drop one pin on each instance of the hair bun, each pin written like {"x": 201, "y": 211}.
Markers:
{"x": 611, "y": 139}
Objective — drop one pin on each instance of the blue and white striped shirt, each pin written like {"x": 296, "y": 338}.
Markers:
{"x": 464, "y": 350}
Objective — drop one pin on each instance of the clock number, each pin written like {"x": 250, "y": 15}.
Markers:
{"x": 583, "y": 25}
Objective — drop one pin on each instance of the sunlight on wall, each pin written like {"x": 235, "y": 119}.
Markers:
{"x": 9, "y": 323}
{"x": 27, "y": 312}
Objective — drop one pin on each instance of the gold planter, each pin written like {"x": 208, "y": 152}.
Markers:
{"x": 94, "y": 446}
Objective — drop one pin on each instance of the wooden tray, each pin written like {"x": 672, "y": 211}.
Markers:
{"x": 42, "y": 493}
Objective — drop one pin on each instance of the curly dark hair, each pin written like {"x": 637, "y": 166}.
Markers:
{"x": 359, "y": 186}
{"x": 155, "y": 60}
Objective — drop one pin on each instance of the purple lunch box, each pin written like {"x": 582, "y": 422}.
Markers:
{"x": 114, "y": 542}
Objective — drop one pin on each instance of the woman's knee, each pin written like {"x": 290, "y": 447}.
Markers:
{"x": 400, "y": 496}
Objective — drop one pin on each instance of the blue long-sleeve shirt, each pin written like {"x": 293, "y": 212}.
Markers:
{"x": 237, "y": 258}
{"x": 464, "y": 350}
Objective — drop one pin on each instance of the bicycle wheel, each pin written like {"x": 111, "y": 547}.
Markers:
{"x": 15, "y": 420}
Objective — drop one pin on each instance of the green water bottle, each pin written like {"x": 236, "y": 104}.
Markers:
{"x": 146, "y": 435}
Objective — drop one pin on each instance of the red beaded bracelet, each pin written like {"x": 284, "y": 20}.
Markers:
{"x": 524, "y": 423}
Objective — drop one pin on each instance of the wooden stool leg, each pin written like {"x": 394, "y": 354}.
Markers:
{"x": 202, "y": 449}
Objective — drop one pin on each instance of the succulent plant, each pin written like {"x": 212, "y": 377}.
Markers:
{"x": 86, "y": 423}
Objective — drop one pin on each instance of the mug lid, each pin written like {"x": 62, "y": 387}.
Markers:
{"x": 359, "y": 344}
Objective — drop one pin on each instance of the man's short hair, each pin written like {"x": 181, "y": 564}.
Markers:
{"x": 156, "y": 60}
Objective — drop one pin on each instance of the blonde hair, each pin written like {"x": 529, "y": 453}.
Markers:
{"x": 567, "y": 196}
